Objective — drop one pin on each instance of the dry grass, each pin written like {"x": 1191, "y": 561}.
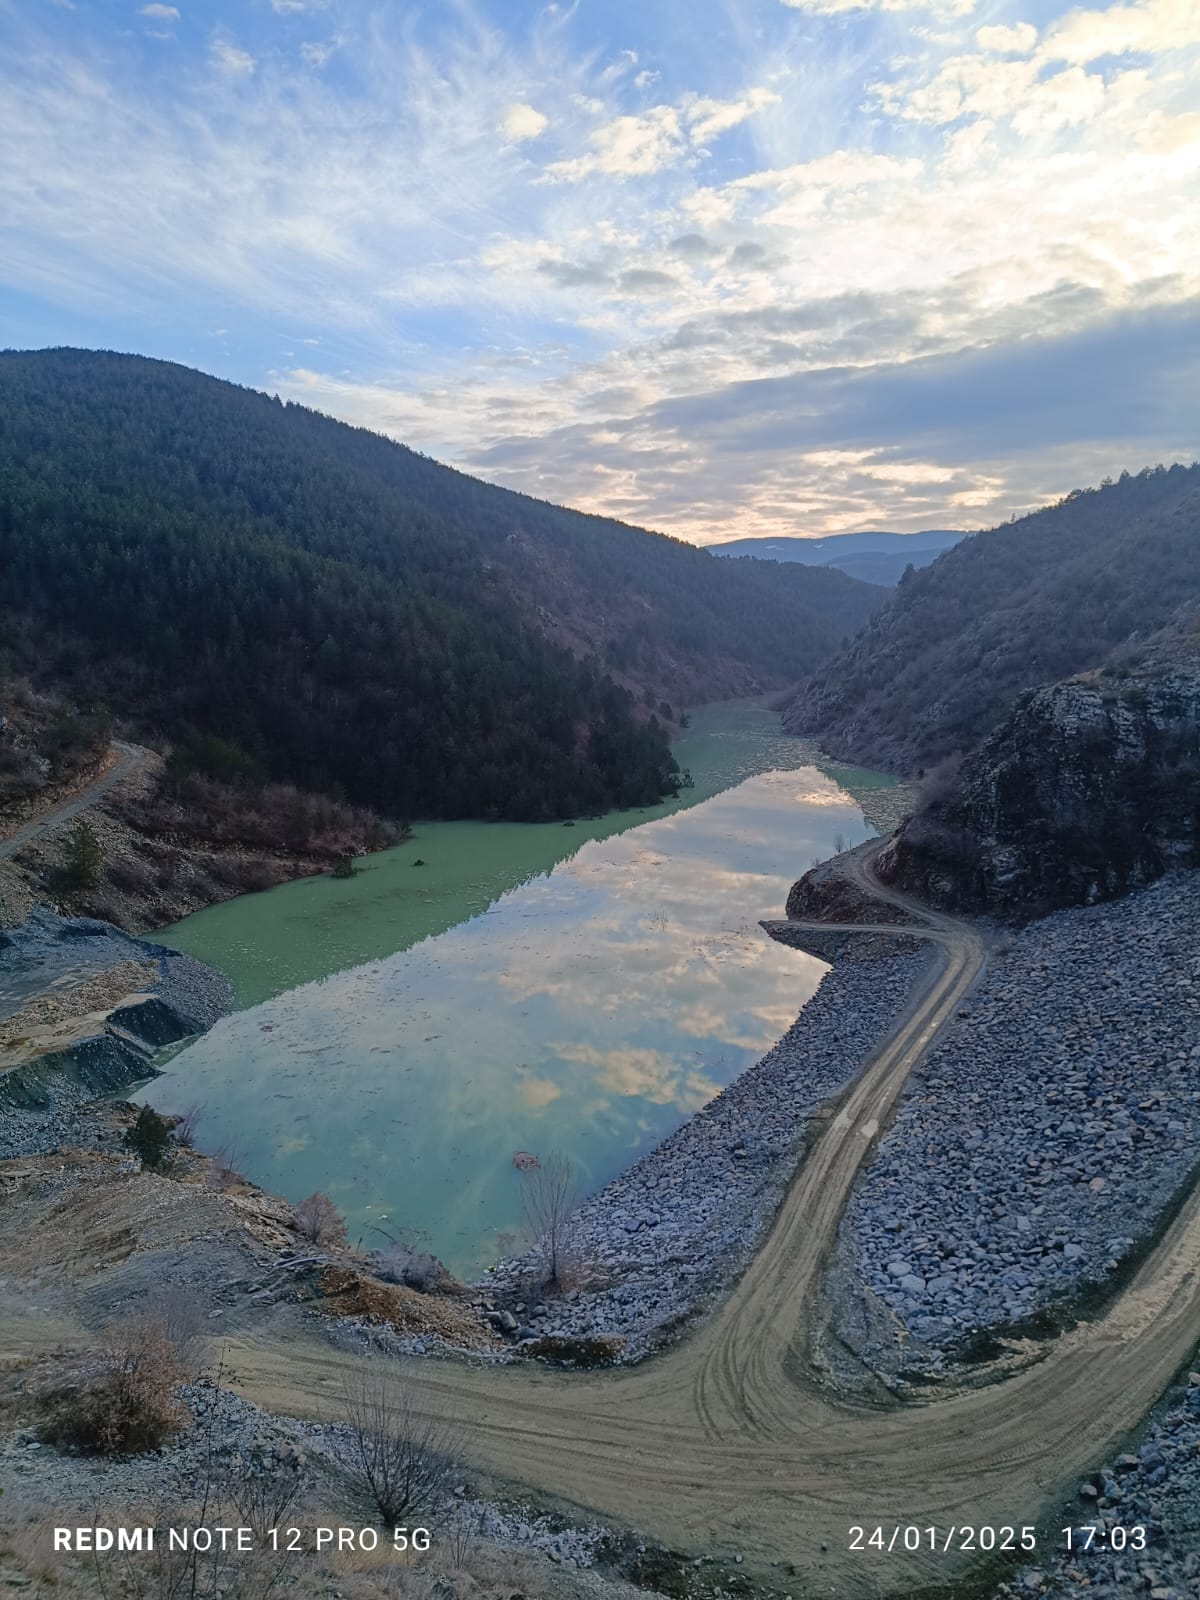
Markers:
{"x": 343, "y": 1292}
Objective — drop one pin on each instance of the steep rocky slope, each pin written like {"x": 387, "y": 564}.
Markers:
{"x": 1089, "y": 788}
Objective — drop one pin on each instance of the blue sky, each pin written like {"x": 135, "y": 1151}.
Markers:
{"x": 721, "y": 267}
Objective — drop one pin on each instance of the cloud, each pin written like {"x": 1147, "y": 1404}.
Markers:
{"x": 160, "y": 13}
{"x": 230, "y": 58}
{"x": 638, "y": 145}
{"x": 835, "y": 8}
{"x": 645, "y": 280}
{"x": 1016, "y": 40}
{"x": 845, "y": 215}
{"x": 706, "y": 118}
{"x": 319, "y": 53}
{"x": 521, "y": 122}
{"x": 1154, "y": 26}
{"x": 694, "y": 247}
{"x": 627, "y": 147}
{"x": 575, "y": 275}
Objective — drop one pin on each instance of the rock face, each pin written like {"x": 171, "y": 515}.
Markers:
{"x": 1090, "y": 788}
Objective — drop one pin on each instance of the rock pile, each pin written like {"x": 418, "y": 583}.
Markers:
{"x": 1046, "y": 1135}
{"x": 43, "y": 1102}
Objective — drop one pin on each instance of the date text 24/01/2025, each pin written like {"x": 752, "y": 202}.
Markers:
{"x": 986, "y": 1538}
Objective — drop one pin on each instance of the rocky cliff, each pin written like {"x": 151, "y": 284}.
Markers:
{"x": 1089, "y": 788}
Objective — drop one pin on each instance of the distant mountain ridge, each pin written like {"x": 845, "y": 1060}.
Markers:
{"x": 352, "y": 617}
{"x": 873, "y": 557}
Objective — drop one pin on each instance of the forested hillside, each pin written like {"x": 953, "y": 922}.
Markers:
{"x": 1026, "y": 604}
{"x": 352, "y": 616}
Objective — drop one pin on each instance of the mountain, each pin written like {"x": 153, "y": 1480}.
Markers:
{"x": 1027, "y": 604}
{"x": 1088, "y": 788}
{"x": 342, "y": 613}
{"x": 874, "y": 557}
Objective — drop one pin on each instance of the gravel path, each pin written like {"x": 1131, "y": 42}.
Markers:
{"x": 129, "y": 757}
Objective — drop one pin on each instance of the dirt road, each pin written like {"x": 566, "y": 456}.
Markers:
{"x": 728, "y": 1444}
{"x": 129, "y": 757}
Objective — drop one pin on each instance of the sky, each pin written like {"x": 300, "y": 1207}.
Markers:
{"x": 719, "y": 267}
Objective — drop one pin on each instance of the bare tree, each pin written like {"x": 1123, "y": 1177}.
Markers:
{"x": 318, "y": 1220}
{"x": 404, "y": 1460}
{"x": 183, "y": 1314}
{"x": 223, "y": 1164}
{"x": 551, "y": 1194}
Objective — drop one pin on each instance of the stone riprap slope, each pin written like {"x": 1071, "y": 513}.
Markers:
{"x": 50, "y": 965}
{"x": 671, "y": 1233}
{"x": 1046, "y": 1135}
{"x": 1155, "y": 1486}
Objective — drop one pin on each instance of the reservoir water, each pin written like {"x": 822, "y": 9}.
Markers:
{"x": 407, "y": 1032}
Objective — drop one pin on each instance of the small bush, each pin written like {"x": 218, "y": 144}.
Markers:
{"x": 120, "y": 1400}
{"x": 84, "y": 858}
{"x": 318, "y": 1220}
{"x": 404, "y": 1462}
{"x": 130, "y": 876}
{"x": 149, "y": 1138}
{"x": 599, "y": 1352}
{"x": 344, "y": 867}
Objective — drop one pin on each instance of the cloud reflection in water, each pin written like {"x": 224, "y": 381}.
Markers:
{"x": 592, "y": 1009}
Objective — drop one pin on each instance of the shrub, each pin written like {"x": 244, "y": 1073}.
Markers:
{"x": 149, "y": 1138}
{"x": 599, "y": 1352}
{"x": 318, "y": 1220}
{"x": 84, "y": 858}
{"x": 120, "y": 1400}
{"x": 344, "y": 867}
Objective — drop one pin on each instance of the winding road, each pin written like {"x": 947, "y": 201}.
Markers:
{"x": 728, "y": 1443}
{"x": 128, "y": 758}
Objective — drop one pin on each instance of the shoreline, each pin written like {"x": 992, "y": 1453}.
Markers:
{"x": 666, "y": 1238}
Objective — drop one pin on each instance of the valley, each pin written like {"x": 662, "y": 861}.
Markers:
{"x": 879, "y": 1099}
{"x": 599, "y": 800}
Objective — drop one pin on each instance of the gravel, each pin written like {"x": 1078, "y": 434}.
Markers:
{"x": 1046, "y": 1136}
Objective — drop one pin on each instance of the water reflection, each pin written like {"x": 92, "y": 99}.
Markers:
{"x": 592, "y": 1009}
